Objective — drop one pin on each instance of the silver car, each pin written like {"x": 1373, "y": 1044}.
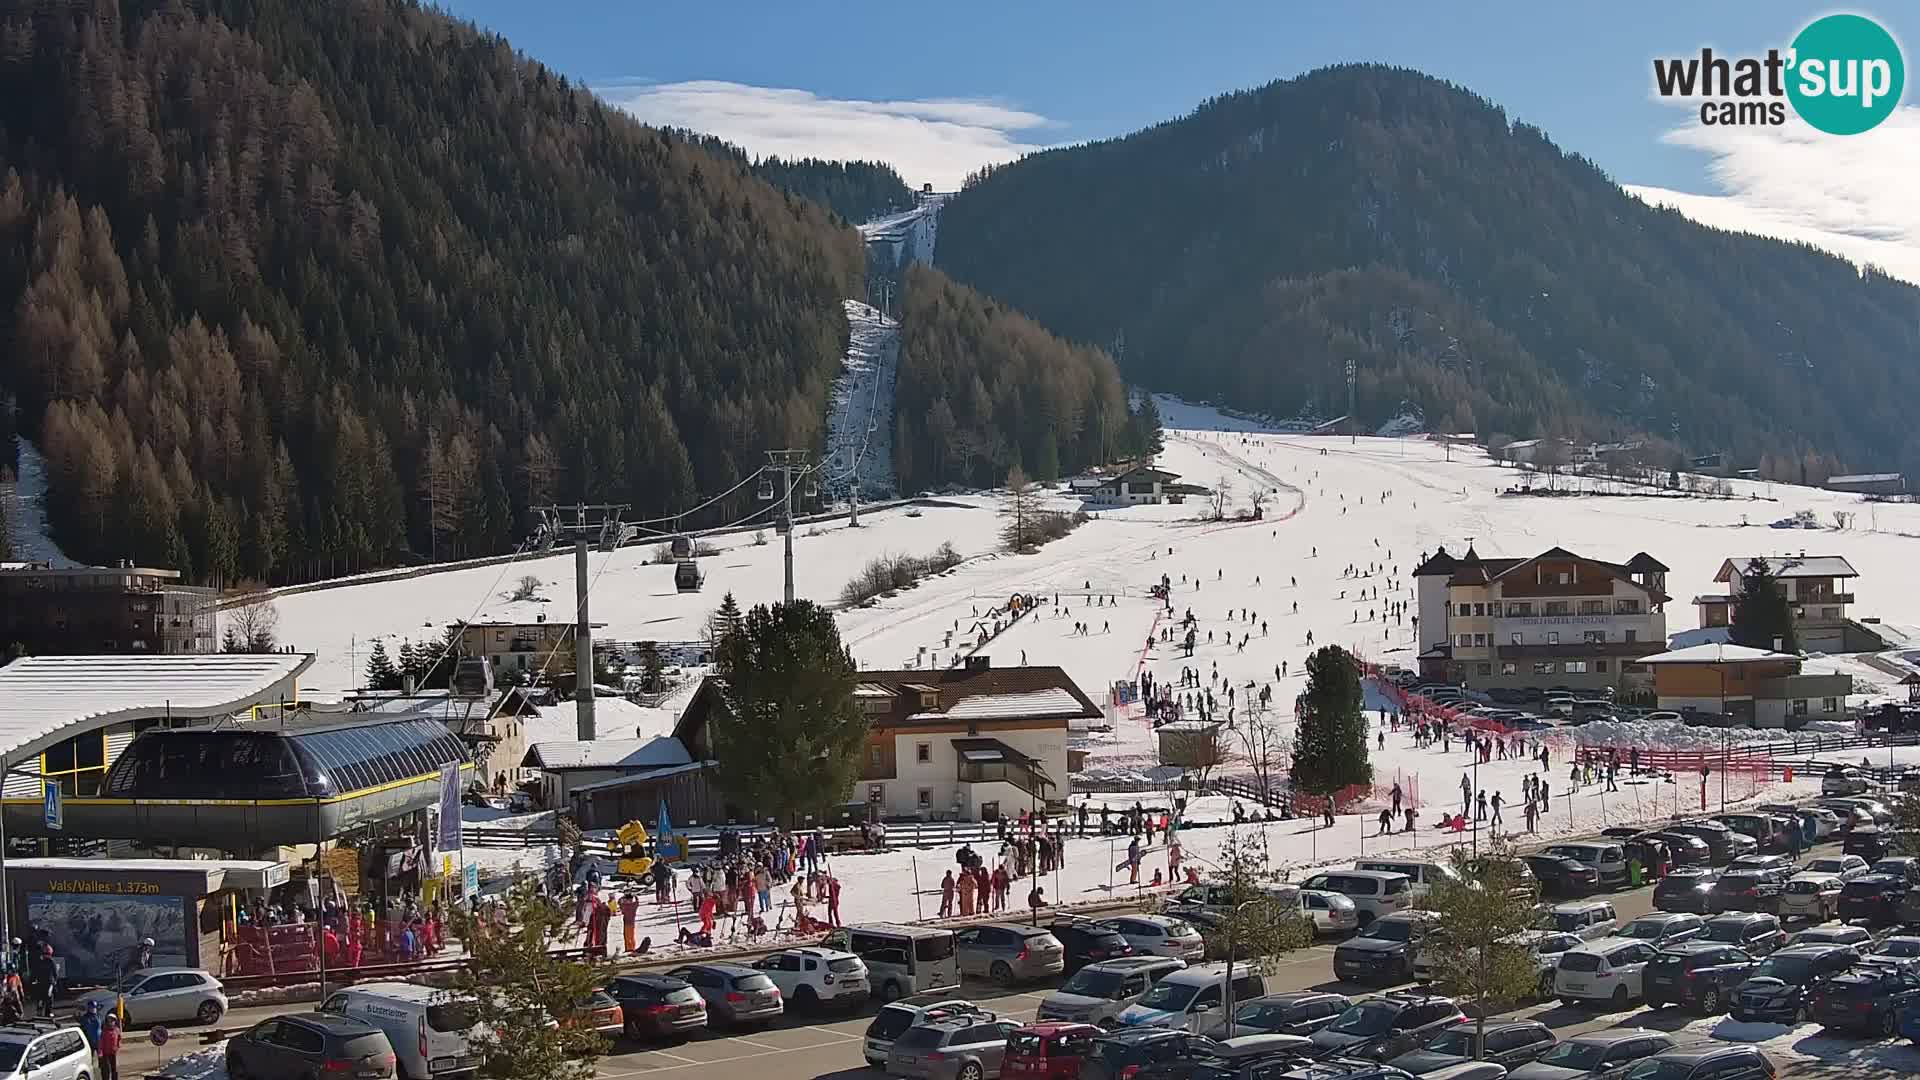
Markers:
{"x": 1009, "y": 952}
{"x": 958, "y": 1048}
{"x": 1160, "y": 935}
{"x": 163, "y": 995}
{"x": 1099, "y": 992}
{"x": 735, "y": 994}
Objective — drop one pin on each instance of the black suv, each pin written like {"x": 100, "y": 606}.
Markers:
{"x": 1383, "y": 952}
{"x": 1874, "y": 898}
{"x": 1696, "y": 974}
{"x": 1717, "y": 1063}
{"x": 1686, "y": 848}
{"x": 1867, "y": 999}
{"x": 1387, "y": 1026}
{"x": 1088, "y": 942}
{"x": 1146, "y": 1054}
{"x": 1512, "y": 1044}
{"x": 1869, "y": 844}
{"x": 1748, "y": 890}
{"x": 1777, "y": 988}
{"x": 310, "y": 1044}
{"x": 1687, "y": 890}
{"x": 1721, "y": 845}
{"x": 1751, "y": 932}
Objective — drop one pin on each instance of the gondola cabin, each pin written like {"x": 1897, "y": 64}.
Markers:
{"x": 687, "y": 576}
{"x": 682, "y": 547}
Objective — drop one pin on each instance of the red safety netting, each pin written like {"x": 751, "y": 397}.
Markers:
{"x": 271, "y": 950}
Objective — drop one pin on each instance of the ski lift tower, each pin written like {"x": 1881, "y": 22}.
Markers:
{"x": 584, "y": 523}
{"x": 788, "y": 466}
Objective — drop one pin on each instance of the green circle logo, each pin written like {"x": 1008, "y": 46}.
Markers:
{"x": 1847, "y": 74}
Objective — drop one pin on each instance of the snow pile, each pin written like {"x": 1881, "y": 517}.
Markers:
{"x": 208, "y": 1064}
{"x": 1676, "y": 735}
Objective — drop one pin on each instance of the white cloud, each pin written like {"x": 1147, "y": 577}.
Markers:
{"x": 927, "y": 141}
{"x": 1853, "y": 195}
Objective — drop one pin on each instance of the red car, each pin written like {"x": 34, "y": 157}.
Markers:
{"x": 1048, "y": 1051}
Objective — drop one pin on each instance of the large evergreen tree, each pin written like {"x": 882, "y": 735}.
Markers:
{"x": 787, "y": 738}
{"x": 1330, "y": 740}
{"x": 1761, "y": 613}
{"x": 381, "y": 674}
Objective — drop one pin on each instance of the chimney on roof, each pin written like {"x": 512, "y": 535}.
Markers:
{"x": 1779, "y": 644}
{"x": 977, "y": 662}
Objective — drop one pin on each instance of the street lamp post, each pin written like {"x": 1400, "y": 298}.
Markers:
{"x": 1353, "y": 422}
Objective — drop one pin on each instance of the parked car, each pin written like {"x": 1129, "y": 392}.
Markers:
{"x": 1194, "y": 998}
{"x": 810, "y": 977}
{"x": 963, "y": 1047}
{"x": 1834, "y": 935}
{"x": 1664, "y": 928}
{"x": 1159, "y": 935}
{"x": 1102, "y": 990}
{"x": 1422, "y": 876}
{"x": 1712, "y": 1063}
{"x": 735, "y": 994}
{"x": 1048, "y": 1051}
{"x": 1608, "y": 970}
{"x": 1689, "y": 890}
{"x": 1009, "y": 953}
{"x": 1590, "y": 920}
{"x": 1904, "y": 867}
{"x": 1723, "y": 844}
{"x": 1843, "y": 780}
{"x": 1379, "y": 1028}
{"x": 1747, "y": 890}
{"x": 1374, "y": 893}
{"x": 1686, "y": 848}
{"x": 1607, "y": 857}
{"x": 1510, "y": 1043}
{"x": 309, "y": 1044}
{"x": 1559, "y": 875}
{"x": 1753, "y": 932}
{"x": 1146, "y": 1054}
{"x": 901, "y": 960}
{"x": 600, "y": 1013}
{"x": 1593, "y": 1054}
{"x": 1874, "y": 899}
{"x": 44, "y": 1052}
{"x": 1700, "y": 975}
{"x": 1868, "y": 842}
{"x": 1810, "y": 896}
{"x": 433, "y": 1034}
{"x": 1544, "y": 946}
{"x": 1770, "y": 833}
{"x": 1384, "y": 951}
{"x": 1301, "y": 1012}
{"x": 1899, "y": 947}
{"x": 657, "y": 1007}
{"x": 1330, "y": 912}
{"x": 163, "y": 995}
{"x": 896, "y": 1018}
{"x": 1867, "y": 999}
{"x": 1763, "y": 862}
{"x": 1089, "y": 942}
{"x": 1775, "y": 989}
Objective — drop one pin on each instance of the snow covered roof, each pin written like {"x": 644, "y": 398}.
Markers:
{"x": 607, "y": 754}
{"x": 50, "y": 698}
{"x": 1790, "y": 566}
{"x": 1713, "y": 598}
{"x": 1865, "y": 478}
{"x": 1033, "y": 704}
{"x": 1717, "y": 652}
{"x": 636, "y": 777}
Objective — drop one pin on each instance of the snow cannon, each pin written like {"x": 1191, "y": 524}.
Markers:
{"x": 634, "y": 860}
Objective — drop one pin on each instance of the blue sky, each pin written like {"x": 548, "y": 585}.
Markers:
{"x": 931, "y": 86}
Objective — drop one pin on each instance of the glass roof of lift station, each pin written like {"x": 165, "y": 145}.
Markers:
{"x": 295, "y": 762}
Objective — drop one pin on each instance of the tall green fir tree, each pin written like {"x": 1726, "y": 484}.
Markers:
{"x": 1330, "y": 741}
{"x": 1762, "y": 615}
{"x": 788, "y": 739}
{"x": 720, "y": 625}
{"x": 381, "y": 674}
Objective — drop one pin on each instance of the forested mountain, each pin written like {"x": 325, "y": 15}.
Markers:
{"x": 290, "y": 288}
{"x": 983, "y": 388}
{"x": 1461, "y": 261}
{"x": 856, "y": 190}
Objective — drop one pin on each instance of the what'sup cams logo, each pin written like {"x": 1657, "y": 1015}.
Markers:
{"x": 1843, "y": 74}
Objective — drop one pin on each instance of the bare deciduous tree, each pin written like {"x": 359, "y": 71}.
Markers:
{"x": 251, "y": 628}
{"x": 527, "y": 588}
{"x": 1217, "y": 501}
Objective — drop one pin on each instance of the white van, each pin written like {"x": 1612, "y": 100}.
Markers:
{"x": 901, "y": 960}
{"x": 432, "y": 1034}
{"x": 1423, "y": 875}
{"x": 1373, "y": 892}
{"x": 1194, "y": 999}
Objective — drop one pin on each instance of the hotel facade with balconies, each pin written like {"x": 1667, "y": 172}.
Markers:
{"x": 1553, "y": 619}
